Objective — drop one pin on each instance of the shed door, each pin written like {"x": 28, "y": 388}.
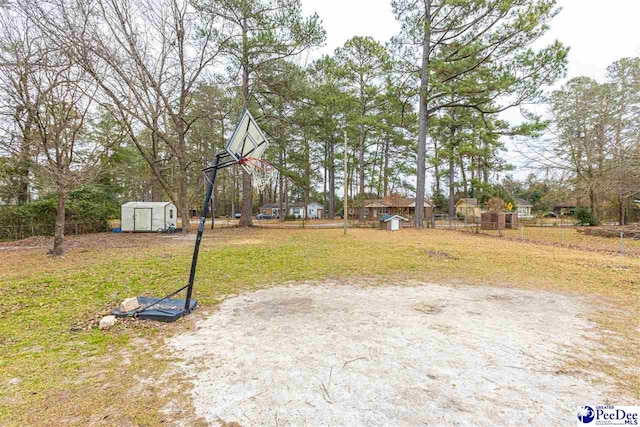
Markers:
{"x": 142, "y": 219}
{"x": 395, "y": 224}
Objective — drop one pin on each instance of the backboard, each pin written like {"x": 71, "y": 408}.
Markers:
{"x": 247, "y": 141}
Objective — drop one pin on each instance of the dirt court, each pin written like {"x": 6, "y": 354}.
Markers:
{"x": 411, "y": 354}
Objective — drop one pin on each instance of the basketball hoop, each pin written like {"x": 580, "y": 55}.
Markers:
{"x": 246, "y": 148}
{"x": 263, "y": 173}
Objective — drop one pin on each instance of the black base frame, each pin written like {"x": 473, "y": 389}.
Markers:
{"x": 166, "y": 309}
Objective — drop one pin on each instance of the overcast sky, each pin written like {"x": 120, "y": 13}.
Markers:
{"x": 598, "y": 32}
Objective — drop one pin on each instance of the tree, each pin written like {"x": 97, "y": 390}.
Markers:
{"x": 331, "y": 105}
{"x": 20, "y": 46}
{"x": 258, "y": 33}
{"x": 474, "y": 54}
{"x": 583, "y": 113}
{"x": 148, "y": 79}
{"x": 595, "y": 139}
{"x": 365, "y": 63}
{"x": 61, "y": 104}
{"x": 624, "y": 176}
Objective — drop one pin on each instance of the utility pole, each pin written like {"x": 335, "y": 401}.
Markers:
{"x": 345, "y": 209}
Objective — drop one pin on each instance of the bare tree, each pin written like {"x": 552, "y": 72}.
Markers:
{"x": 147, "y": 57}
{"x": 60, "y": 102}
{"x": 19, "y": 54}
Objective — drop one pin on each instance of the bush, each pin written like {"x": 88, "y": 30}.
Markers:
{"x": 584, "y": 216}
{"x": 290, "y": 217}
{"x": 91, "y": 206}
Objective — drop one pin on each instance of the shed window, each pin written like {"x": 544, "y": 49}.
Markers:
{"x": 170, "y": 213}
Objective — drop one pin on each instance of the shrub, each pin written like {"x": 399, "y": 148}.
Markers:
{"x": 496, "y": 204}
{"x": 584, "y": 216}
{"x": 91, "y": 206}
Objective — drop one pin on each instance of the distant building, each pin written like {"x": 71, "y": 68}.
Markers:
{"x": 373, "y": 209}
{"x": 563, "y": 209}
{"x": 314, "y": 210}
{"x": 524, "y": 207}
{"x": 467, "y": 207}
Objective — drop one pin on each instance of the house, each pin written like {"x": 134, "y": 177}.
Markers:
{"x": 314, "y": 210}
{"x": 393, "y": 205}
{"x": 467, "y": 207}
{"x": 567, "y": 208}
{"x": 391, "y": 222}
{"x": 523, "y": 207}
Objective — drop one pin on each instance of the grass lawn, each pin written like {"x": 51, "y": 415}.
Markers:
{"x": 56, "y": 367}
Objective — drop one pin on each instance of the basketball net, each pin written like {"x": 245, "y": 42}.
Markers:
{"x": 263, "y": 174}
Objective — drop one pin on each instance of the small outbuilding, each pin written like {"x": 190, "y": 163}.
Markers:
{"x": 391, "y": 222}
{"x": 148, "y": 216}
{"x": 492, "y": 221}
{"x": 523, "y": 207}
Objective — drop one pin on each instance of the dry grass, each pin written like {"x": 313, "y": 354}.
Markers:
{"x": 570, "y": 236}
{"x": 57, "y": 368}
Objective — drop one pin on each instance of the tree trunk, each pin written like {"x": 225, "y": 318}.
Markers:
{"x": 286, "y": 199}
{"x": 307, "y": 182}
{"x": 185, "y": 214}
{"x": 593, "y": 202}
{"x": 58, "y": 239}
{"x": 385, "y": 185}
{"x": 247, "y": 201}
{"x": 281, "y": 191}
{"x": 247, "y": 189}
{"x": 463, "y": 175}
{"x": 332, "y": 182}
{"x": 452, "y": 187}
{"x": 436, "y": 166}
{"x": 423, "y": 117}
{"x": 325, "y": 201}
{"x": 361, "y": 189}
{"x": 234, "y": 191}
{"x": 183, "y": 196}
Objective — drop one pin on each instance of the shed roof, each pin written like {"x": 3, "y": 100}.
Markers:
{"x": 468, "y": 200}
{"x": 387, "y": 218}
{"x": 146, "y": 204}
{"x": 522, "y": 202}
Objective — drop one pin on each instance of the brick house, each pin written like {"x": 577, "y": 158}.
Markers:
{"x": 391, "y": 205}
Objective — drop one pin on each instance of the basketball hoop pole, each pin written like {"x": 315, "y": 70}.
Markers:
{"x": 203, "y": 218}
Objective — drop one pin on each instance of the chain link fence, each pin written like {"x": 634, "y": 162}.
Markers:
{"x": 23, "y": 231}
{"x": 564, "y": 234}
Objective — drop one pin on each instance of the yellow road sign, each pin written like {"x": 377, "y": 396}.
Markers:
{"x": 510, "y": 207}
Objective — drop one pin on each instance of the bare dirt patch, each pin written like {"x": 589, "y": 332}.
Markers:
{"x": 392, "y": 355}
{"x": 440, "y": 255}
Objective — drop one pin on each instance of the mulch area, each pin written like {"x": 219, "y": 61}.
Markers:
{"x": 612, "y": 231}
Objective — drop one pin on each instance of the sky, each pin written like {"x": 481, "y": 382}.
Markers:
{"x": 597, "y": 32}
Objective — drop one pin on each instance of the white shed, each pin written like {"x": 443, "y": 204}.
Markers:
{"x": 391, "y": 222}
{"x": 148, "y": 216}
